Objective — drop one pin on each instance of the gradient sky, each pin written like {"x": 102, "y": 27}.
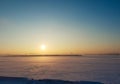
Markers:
{"x": 64, "y": 26}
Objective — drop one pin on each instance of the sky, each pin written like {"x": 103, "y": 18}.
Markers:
{"x": 63, "y": 26}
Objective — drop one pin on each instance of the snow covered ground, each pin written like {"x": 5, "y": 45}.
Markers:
{"x": 20, "y": 80}
{"x": 105, "y": 69}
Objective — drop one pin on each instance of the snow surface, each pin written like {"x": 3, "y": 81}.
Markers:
{"x": 105, "y": 69}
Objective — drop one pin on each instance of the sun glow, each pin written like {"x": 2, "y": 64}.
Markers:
{"x": 43, "y": 47}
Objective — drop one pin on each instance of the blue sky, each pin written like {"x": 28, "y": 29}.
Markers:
{"x": 65, "y": 26}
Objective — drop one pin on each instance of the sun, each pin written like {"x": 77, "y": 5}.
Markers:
{"x": 43, "y": 47}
